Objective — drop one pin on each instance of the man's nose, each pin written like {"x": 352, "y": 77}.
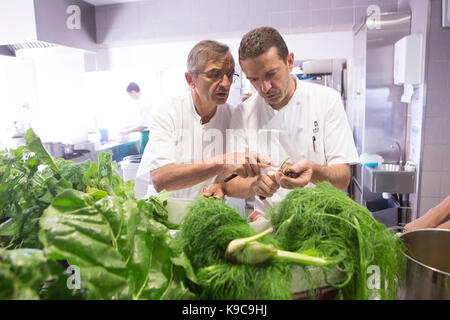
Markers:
{"x": 226, "y": 82}
{"x": 265, "y": 85}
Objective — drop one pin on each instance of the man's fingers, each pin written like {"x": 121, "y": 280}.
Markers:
{"x": 271, "y": 182}
{"x": 242, "y": 172}
{"x": 260, "y": 191}
{"x": 273, "y": 177}
{"x": 267, "y": 186}
{"x": 263, "y": 160}
{"x": 206, "y": 193}
{"x": 299, "y": 167}
{"x": 214, "y": 190}
{"x": 251, "y": 170}
{"x": 291, "y": 183}
{"x": 256, "y": 158}
{"x": 255, "y": 169}
{"x": 285, "y": 183}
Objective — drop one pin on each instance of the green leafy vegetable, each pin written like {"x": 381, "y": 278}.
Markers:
{"x": 121, "y": 253}
{"x": 325, "y": 221}
{"x": 34, "y": 144}
{"x": 205, "y": 232}
{"x": 155, "y": 207}
{"x": 86, "y": 214}
{"x": 249, "y": 251}
{"x": 23, "y": 273}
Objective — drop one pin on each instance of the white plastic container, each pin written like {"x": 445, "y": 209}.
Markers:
{"x": 177, "y": 208}
{"x": 371, "y": 160}
{"x": 94, "y": 137}
{"x": 128, "y": 171}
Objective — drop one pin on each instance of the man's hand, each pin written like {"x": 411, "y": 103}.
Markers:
{"x": 216, "y": 190}
{"x": 304, "y": 170}
{"x": 246, "y": 164}
{"x": 265, "y": 185}
{"x": 436, "y": 217}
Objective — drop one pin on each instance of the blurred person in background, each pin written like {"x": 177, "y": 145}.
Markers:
{"x": 141, "y": 117}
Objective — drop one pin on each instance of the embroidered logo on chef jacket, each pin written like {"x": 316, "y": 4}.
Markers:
{"x": 315, "y": 131}
{"x": 316, "y": 127}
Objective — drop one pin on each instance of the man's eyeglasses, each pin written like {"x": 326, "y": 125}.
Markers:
{"x": 217, "y": 74}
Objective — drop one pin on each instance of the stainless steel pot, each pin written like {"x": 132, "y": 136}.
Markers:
{"x": 428, "y": 265}
{"x": 68, "y": 150}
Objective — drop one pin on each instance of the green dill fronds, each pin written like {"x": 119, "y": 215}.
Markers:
{"x": 327, "y": 221}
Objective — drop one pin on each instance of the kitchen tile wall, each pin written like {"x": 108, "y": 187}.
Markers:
{"x": 435, "y": 178}
{"x": 180, "y": 20}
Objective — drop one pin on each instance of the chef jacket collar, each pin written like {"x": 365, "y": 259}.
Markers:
{"x": 294, "y": 102}
{"x": 198, "y": 118}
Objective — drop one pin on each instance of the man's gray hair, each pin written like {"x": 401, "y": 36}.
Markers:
{"x": 203, "y": 52}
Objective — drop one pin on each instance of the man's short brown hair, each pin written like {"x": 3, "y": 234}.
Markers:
{"x": 203, "y": 52}
{"x": 259, "y": 41}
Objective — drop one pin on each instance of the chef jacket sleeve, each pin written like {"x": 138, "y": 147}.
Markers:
{"x": 339, "y": 145}
{"x": 160, "y": 149}
{"x": 145, "y": 114}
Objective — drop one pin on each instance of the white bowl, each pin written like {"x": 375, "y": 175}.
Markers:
{"x": 177, "y": 208}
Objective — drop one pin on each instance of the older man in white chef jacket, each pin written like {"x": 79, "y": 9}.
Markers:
{"x": 187, "y": 141}
{"x": 288, "y": 118}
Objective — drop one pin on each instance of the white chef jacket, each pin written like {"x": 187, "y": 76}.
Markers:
{"x": 178, "y": 136}
{"x": 314, "y": 112}
{"x": 139, "y": 114}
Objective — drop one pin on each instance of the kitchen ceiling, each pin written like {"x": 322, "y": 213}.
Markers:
{"x": 105, "y": 2}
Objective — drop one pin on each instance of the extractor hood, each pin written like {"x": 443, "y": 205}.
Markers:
{"x": 31, "y": 24}
{"x": 28, "y": 45}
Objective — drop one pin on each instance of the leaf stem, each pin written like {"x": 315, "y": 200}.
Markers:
{"x": 300, "y": 258}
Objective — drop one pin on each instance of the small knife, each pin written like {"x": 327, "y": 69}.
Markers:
{"x": 231, "y": 177}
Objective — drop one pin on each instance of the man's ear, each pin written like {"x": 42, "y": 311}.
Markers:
{"x": 290, "y": 61}
{"x": 190, "y": 79}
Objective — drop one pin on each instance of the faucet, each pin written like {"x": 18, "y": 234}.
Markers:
{"x": 400, "y": 161}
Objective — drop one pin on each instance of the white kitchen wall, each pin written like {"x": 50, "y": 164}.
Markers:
{"x": 175, "y": 20}
{"x": 159, "y": 68}
{"x": 17, "y": 97}
{"x": 429, "y": 111}
{"x": 17, "y": 21}
{"x": 60, "y": 112}
{"x": 162, "y": 33}
{"x": 155, "y": 37}
{"x": 435, "y": 176}
{"x": 414, "y": 144}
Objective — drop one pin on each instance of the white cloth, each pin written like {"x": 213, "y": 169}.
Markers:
{"x": 178, "y": 136}
{"x": 138, "y": 114}
{"x": 145, "y": 111}
{"x": 313, "y": 111}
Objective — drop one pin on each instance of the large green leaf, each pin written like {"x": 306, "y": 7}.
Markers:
{"x": 103, "y": 175}
{"x": 121, "y": 253}
{"x": 23, "y": 272}
{"x": 34, "y": 144}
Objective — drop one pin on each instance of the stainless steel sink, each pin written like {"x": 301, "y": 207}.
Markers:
{"x": 390, "y": 178}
